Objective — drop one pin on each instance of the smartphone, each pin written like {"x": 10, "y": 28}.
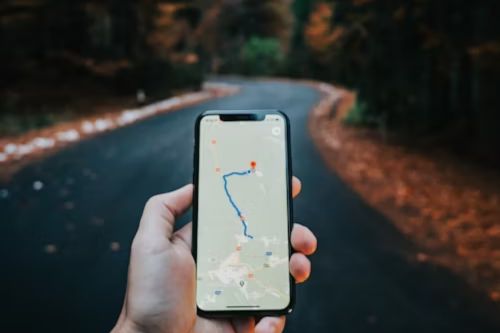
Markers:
{"x": 242, "y": 213}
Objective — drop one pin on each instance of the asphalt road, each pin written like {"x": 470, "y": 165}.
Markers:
{"x": 92, "y": 198}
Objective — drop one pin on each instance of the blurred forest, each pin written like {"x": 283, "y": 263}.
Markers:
{"x": 423, "y": 69}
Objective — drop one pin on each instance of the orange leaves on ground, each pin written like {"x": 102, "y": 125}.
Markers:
{"x": 448, "y": 206}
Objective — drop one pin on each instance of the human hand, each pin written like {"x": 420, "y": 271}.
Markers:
{"x": 160, "y": 295}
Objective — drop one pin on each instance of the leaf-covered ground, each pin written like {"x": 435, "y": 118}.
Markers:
{"x": 449, "y": 207}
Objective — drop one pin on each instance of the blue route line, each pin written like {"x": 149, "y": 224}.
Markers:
{"x": 231, "y": 201}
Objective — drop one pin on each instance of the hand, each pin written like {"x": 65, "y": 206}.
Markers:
{"x": 160, "y": 294}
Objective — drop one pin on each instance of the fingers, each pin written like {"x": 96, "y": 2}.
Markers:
{"x": 271, "y": 325}
{"x": 303, "y": 240}
{"x": 305, "y": 243}
{"x": 300, "y": 267}
{"x": 203, "y": 325}
{"x": 161, "y": 210}
{"x": 296, "y": 186}
{"x": 302, "y": 234}
{"x": 244, "y": 325}
{"x": 265, "y": 325}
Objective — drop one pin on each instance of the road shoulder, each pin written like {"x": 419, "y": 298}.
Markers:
{"x": 450, "y": 209}
{"x": 19, "y": 151}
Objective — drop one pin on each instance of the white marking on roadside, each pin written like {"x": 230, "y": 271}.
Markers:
{"x": 10, "y": 148}
{"x": 25, "y": 149}
{"x": 17, "y": 151}
{"x": 68, "y": 136}
{"x": 43, "y": 143}
{"x": 88, "y": 127}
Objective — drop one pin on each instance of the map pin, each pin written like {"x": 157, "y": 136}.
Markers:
{"x": 242, "y": 283}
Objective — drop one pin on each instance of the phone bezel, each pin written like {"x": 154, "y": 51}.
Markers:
{"x": 254, "y": 115}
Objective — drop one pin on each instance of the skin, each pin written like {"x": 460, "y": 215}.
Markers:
{"x": 161, "y": 286}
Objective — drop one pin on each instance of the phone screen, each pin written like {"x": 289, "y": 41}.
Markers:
{"x": 243, "y": 231}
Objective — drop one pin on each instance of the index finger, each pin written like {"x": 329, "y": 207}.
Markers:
{"x": 161, "y": 211}
{"x": 270, "y": 325}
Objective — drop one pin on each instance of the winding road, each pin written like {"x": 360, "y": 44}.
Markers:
{"x": 64, "y": 248}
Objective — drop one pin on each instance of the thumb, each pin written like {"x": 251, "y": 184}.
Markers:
{"x": 161, "y": 210}
{"x": 184, "y": 235}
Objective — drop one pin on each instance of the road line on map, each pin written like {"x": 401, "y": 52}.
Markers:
{"x": 231, "y": 201}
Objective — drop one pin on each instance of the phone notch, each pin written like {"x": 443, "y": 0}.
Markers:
{"x": 243, "y": 116}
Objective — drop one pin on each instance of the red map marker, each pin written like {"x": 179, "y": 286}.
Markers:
{"x": 253, "y": 164}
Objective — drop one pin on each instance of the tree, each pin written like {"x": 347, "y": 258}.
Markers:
{"x": 229, "y": 24}
{"x": 413, "y": 62}
{"x": 112, "y": 42}
{"x": 262, "y": 56}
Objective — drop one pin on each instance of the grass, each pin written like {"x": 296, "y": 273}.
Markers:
{"x": 358, "y": 115}
{"x": 14, "y": 124}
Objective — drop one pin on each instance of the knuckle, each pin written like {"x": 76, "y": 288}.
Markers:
{"x": 160, "y": 205}
{"x": 154, "y": 201}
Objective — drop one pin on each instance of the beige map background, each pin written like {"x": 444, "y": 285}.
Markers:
{"x": 234, "y": 271}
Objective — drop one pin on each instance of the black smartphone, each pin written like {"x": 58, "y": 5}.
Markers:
{"x": 242, "y": 213}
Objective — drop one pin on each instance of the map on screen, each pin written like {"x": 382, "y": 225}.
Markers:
{"x": 242, "y": 244}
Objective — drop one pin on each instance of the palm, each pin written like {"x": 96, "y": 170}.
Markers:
{"x": 161, "y": 285}
{"x": 173, "y": 304}
{"x": 181, "y": 248}
{"x": 185, "y": 286}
